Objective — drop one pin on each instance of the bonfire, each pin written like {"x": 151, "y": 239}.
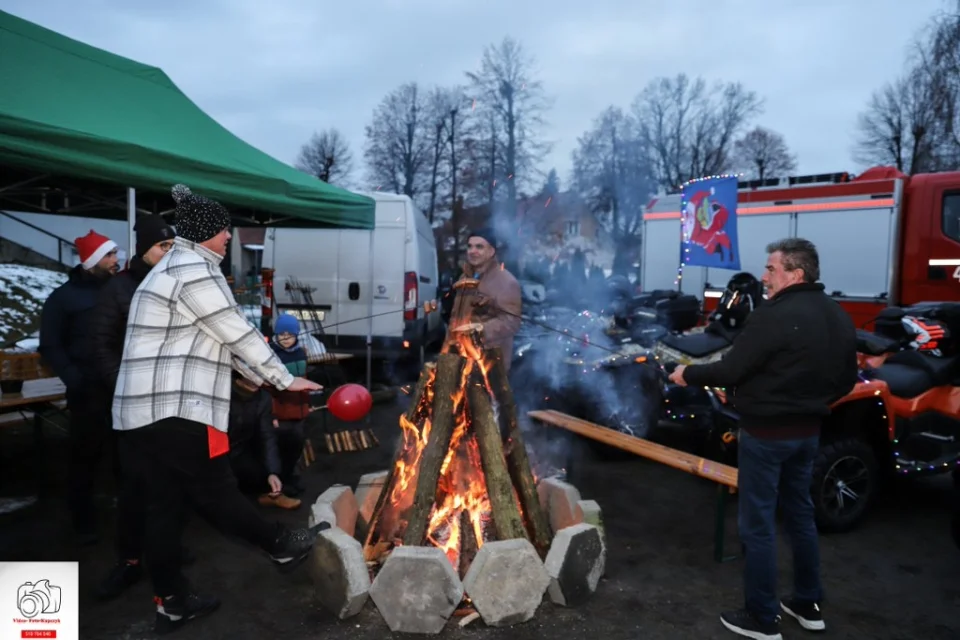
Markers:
{"x": 461, "y": 475}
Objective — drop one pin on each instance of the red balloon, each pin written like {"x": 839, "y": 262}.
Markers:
{"x": 350, "y": 402}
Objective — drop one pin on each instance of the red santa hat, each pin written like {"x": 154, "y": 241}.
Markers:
{"x": 92, "y": 248}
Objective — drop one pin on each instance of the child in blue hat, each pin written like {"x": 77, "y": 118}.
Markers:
{"x": 290, "y": 408}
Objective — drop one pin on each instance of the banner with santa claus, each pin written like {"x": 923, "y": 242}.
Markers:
{"x": 708, "y": 218}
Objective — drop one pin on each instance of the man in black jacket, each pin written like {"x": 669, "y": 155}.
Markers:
{"x": 66, "y": 346}
{"x": 795, "y": 357}
{"x": 108, "y": 326}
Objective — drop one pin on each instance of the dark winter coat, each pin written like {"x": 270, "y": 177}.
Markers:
{"x": 108, "y": 326}
{"x": 65, "y": 327}
{"x": 796, "y": 356}
{"x": 251, "y": 428}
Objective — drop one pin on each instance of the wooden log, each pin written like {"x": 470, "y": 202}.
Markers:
{"x": 506, "y": 514}
{"x": 518, "y": 462}
{"x": 336, "y": 442}
{"x": 442, "y": 421}
{"x": 366, "y": 530}
{"x": 363, "y": 440}
{"x": 329, "y": 440}
{"x": 468, "y": 543}
{"x": 373, "y": 437}
{"x": 694, "y": 465}
{"x": 348, "y": 436}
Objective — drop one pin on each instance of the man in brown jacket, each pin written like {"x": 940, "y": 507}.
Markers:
{"x": 497, "y": 303}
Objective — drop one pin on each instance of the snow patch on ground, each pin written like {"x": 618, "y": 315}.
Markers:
{"x": 23, "y": 290}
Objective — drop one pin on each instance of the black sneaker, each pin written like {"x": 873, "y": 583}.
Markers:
{"x": 175, "y": 611}
{"x": 294, "y": 545}
{"x": 123, "y": 576}
{"x": 744, "y": 623}
{"x": 808, "y": 614}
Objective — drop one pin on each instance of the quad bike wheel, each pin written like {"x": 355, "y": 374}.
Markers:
{"x": 845, "y": 480}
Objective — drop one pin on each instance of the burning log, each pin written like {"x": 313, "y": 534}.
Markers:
{"x": 448, "y": 381}
{"x": 468, "y": 543}
{"x": 518, "y": 463}
{"x": 506, "y": 515}
{"x": 413, "y": 415}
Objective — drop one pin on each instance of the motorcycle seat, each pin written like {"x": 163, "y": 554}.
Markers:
{"x": 873, "y": 344}
{"x": 696, "y": 345}
{"x": 910, "y": 373}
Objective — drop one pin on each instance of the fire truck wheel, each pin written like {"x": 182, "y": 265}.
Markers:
{"x": 845, "y": 480}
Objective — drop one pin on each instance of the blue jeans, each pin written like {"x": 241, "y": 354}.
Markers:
{"x": 770, "y": 469}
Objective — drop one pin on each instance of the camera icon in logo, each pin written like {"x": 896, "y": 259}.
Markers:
{"x": 34, "y": 598}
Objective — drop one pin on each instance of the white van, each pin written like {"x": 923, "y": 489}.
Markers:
{"x": 348, "y": 284}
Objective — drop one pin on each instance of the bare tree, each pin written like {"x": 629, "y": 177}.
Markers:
{"x": 913, "y": 123}
{"x": 899, "y": 127}
{"x": 512, "y": 103}
{"x": 327, "y": 156}
{"x": 762, "y": 153}
{"x": 399, "y": 141}
{"x": 690, "y": 127}
{"x": 614, "y": 175}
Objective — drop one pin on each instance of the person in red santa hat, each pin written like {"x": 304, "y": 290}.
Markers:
{"x": 66, "y": 347}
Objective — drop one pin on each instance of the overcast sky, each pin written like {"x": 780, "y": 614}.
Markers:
{"x": 273, "y": 73}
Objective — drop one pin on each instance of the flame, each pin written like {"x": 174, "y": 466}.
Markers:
{"x": 462, "y": 486}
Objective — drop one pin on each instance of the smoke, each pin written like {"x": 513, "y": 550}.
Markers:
{"x": 569, "y": 355}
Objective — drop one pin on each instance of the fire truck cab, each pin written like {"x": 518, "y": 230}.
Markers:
{"x": 884, "y": 238}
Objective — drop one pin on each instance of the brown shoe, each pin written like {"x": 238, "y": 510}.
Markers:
{"x": 280, "y": 501}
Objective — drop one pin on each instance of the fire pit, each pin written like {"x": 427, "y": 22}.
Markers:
{"x": 459, "y": 524}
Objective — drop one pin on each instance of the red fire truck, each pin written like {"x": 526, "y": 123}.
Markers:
{"x": 884, "y": 238}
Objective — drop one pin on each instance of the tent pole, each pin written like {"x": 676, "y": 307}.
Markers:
{"x": 131, "y": 222}
{"x": 370, "y": 319}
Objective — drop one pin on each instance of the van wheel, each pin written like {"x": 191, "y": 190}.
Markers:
{"x": 844, "y": 484}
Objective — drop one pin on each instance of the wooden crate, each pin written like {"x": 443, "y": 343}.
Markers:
{"x": 23, "y": 366}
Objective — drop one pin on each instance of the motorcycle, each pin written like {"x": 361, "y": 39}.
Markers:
{"x": 901, "y": 419}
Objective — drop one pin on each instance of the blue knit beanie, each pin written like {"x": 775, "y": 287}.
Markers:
{"x": 286, "y": 323}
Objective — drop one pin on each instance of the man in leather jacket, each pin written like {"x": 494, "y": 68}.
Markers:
{"x": 108, "y": 326}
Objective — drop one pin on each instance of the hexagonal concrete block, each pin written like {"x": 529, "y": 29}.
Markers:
{"x": 560, "y": 500}
{"x": 339, "y": 573}
{"x": 506, "y": 582}
{"x": 592, "y": 514}
{"x": 575, "y": 563}
{"x": 342, "y": 502}
{"x": 368, "y": 492}
{"x": 416, "y": 590}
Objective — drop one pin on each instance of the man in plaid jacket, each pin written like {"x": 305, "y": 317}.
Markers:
{"x": 171, "y": 405}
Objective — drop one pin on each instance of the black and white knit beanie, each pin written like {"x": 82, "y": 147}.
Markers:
{"x": 198, "y": 218}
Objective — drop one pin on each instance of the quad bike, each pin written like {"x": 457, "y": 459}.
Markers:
{"x": 901, "y": 419}
{"x": 708, "y": 344}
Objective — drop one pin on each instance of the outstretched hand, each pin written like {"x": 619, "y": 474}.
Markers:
{"x": 677, "y": 376}
{"x": 302, "y": 384}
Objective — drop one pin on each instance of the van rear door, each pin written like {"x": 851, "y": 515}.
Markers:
{"x": 356, "y": 294}
{"x": 308, "y": 258}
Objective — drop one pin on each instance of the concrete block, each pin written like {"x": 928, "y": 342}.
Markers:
{"x": 416, "y": 590}
{"x": 560, "y": 500}
{"x": 340, "y": 576}
{"x": 368, "y": 492}
{"x": 321, "y": 512}
{"x": 575, "y": 563}
{"x": 592, "y": 514}
{"x": 506, "y": 582}
{"x": 341, "y": 500}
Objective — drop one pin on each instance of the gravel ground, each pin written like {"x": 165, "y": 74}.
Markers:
{"x": 896, "y": 577}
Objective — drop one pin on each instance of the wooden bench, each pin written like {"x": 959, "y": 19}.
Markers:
{"x": 723, "y": 475}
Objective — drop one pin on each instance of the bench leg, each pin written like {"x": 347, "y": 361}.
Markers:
{"x": 720, "y": 530}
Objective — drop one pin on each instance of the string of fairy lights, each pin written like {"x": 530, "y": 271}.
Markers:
{"x": 684, "y": 249}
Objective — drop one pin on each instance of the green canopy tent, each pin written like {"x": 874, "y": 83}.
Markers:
{"x": 84, "y": 132}
{"x": 79, "y": 127}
